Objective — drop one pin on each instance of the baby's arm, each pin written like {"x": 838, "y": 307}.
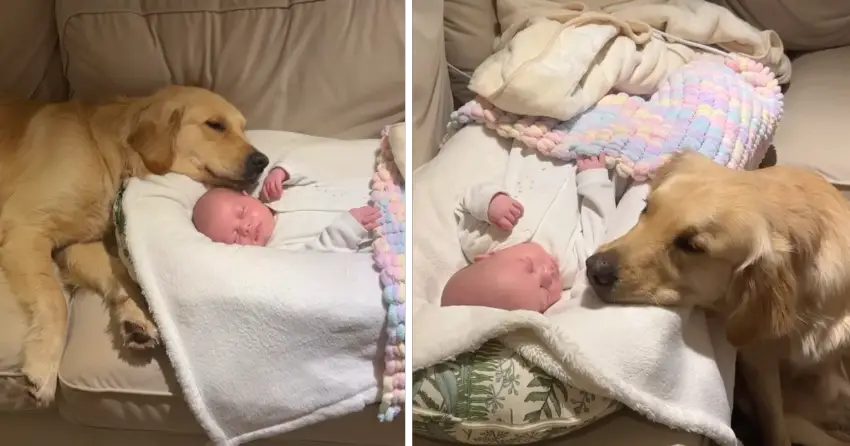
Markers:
{"x": 281, "y": 174}
{"x": 596, "y": 199}
{"x": 631, "y": 204}
{"x": 476, "y": 200}
{"x": 472, "y": 221}
{"x": 491, "y": 204}
{"x": 344, "y": 234}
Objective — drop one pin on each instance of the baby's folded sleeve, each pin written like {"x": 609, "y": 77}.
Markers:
{"x": 476, "y": 200}
{"x": 345, "y": 234}
{"x": 597, "y": 205}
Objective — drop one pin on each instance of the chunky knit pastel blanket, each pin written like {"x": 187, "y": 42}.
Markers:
{"x": 727, "y": 111}
{"x": 389, "y": 246}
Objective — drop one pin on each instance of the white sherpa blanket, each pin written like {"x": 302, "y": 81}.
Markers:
{"x": 263, "y": 341}
{"x": 671, "y": 365}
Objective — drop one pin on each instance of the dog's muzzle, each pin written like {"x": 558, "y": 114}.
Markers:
{"x": 602, "y": 273}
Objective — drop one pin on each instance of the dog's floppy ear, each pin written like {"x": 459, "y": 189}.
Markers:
{"x": 764, "y": 297}
{"x": 153, "y": 134}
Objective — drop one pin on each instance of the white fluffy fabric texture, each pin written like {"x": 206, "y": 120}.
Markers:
{"x": 673, "y": 366}
{"x": 263, "y": 341}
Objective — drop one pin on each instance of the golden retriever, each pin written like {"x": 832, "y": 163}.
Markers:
{"x": 61, "y": 166}
{"x": 767, "y": 249}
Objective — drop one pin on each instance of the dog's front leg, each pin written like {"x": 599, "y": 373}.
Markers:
{"x": 25, "y": 258}
{"x": 89, "y": 265}
{"x": 760, "y": 368}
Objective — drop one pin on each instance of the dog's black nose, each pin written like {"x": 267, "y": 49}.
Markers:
{"x": 255, "y": 164}
{"x": 602, "y": 272}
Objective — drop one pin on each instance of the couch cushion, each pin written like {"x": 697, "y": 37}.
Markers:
{"x": 323, "y": 67}
{"x": 433, "y": 102}
{"x": 471, "y": 29}
{"x": 801, "y": 24}
{"x": 102, "y": 387}
{"x": 817, "y": 110}
{"x": 31, "y": 65}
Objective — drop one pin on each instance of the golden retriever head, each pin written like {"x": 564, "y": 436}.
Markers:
{"x": 715, "y": 238}
{"x": 194, "y": 132}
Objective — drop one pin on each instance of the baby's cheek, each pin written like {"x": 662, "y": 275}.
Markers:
{"x": 267, "y": 231}
{"x": 219, "y": 236}
{"x": 555, "y": 293}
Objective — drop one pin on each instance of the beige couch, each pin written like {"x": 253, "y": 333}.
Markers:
{"x": 330, "y": 68}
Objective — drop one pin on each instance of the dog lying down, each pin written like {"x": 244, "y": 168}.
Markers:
{"x": 60, "y": 169}
{"x": 768, "y": 250}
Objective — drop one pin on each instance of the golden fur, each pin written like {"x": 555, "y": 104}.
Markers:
{"x": 769, "y": 250}
{"x": 60, "y": 168}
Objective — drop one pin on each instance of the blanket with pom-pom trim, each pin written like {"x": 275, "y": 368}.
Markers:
{"x": 726, "y": 111}
{"x": 389, "y": 246}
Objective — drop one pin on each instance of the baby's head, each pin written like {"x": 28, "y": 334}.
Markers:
{"x": 520, "y": 277}
{"x": 231, "y": 217}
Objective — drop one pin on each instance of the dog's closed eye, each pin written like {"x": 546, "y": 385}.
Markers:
{"x": 216, "y": 125}
{"x": 687, "y": 242}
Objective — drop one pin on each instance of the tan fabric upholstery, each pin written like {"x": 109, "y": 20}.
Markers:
{"x": 29, "y": 54}
{"x": 432, "y": 102}
{"x": 48, "y": 429}
{"x": 801, "y": 24}
{"x": 471, "y": 29}
{"x": 817, "y": 110}
{"x": 287, "y": 64}
{"x": 102, "y": 389}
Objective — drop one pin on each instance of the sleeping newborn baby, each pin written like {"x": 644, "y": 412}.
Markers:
{"x": 525, "y": 251}
{"x": 231, "y": 217}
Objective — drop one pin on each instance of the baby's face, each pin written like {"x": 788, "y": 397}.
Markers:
{"x": 522, "y": 276}
{"x": 230, "y": 217}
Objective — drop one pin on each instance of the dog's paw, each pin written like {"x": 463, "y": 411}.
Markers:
{"x": 138, "y": 332}
{"x": 139, "y": 335}
{"x": 40, "y": 381}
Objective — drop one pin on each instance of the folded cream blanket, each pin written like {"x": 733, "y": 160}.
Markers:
{"x": 557, "y": 59}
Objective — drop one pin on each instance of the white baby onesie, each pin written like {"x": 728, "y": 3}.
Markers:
{"x": 564, "y": 212}
{"x": 307, "y": 201}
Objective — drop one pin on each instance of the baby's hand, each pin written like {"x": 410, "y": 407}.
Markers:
{"x": 504, "y": 212}
{"x": 367, "y": 216}
{"x": 591, "y": 162}
{"x": 273, "y": 185}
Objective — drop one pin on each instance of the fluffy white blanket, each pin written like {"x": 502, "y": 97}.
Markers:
{"x": 672, "y": 366}
{"x": 263, "y": 341}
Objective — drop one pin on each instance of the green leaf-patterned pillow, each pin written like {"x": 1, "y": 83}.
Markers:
{"x": 494, "y": 396}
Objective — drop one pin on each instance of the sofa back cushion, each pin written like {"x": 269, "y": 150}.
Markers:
{"x": 29, "y": 54}
{"x": 803, "y": 25}
{"x": 432, "y": 94}
{"x": 330, "y": 68}
{"x": 471, "y": 29}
